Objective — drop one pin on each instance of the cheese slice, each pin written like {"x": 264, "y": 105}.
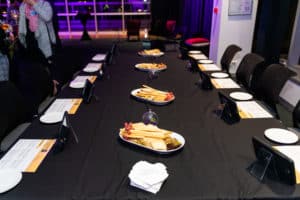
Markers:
{"x": 154, "y": 143}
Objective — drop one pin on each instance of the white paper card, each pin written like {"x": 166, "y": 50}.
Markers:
{"x": 92, "y": 67}
{"x": 80, "y": 80}
{"x": 198, "y": 56}
{"x": 251, "y": 109}
{"x": 61, "y": 105}
{"x": 99, "y": 57}
{"x": 209, "y": 67}
{"x": 25, "y": 155}
{"x": 224, "y": 83}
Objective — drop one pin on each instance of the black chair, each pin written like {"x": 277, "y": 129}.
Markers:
{"x": 114, "y": 49}
{"x": 133, "y": 28}
{"x": 170, "y": 29}
{"x": 34, "y": 82}
{"x": 296, "y": 116}
{"x": 13, "y": 115}
{"x": 287, "y": 101}
{"x": 110, "y": 54}
{"x": 249, "y": 70}
{"x": 271, "y": 83}
{"x": 228, "y": 55}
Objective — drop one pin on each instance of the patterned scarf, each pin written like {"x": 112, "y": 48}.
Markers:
{"x": 32, "y": 17}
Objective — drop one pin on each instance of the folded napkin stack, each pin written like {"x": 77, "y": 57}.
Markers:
{"x": 148, "y": 176}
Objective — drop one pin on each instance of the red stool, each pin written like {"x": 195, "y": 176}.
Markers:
{"x": 196, "y": 42}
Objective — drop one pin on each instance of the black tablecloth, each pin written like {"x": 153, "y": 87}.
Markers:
{"x": 212, "y": 164}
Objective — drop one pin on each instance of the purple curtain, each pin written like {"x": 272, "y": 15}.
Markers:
{"x": 196, "y": 17}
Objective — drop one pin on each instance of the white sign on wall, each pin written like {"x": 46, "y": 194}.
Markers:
{"x": 240, "y": 7}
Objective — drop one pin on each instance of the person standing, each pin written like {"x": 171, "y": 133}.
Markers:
{"x": 4, "y": 62}
{"x": 32, "y": 68}
{"x": 37, "y": 34}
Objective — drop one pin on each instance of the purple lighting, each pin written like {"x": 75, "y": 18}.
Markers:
{"x": 105, "y": 15}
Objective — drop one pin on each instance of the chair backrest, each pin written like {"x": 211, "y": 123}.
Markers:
{"x": 228, "y": 55}
{"x": 296, "y": 115}
{"x": 12, "y": 106}
{"x": 33, "y": 81}
{"x": 113, "y": 49}
{"x": 290, "y": 94}
{"x": 133, "y": 26}
{"x": 249, "y": 68}
{"x": 271, "y": 83}
{"x": 108, "y": 58}
{"x": 289, "y": 103}
{"x": 170, "y": 27}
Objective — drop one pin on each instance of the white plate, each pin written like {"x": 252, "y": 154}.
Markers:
{"x": 147, "y": 70}
{"x": 219, "y": 75}
{"x": 282, "y": 136}
{"x": 205, "y": 61}
{"x": 194, "y": 52}
{"x": 179, "y": 137}
{"x": 151, "y": 55}
{"x": 159, "y": 103}
{"x": 51, "y": 117}
{"x": 241, "y": 96}
{"x": 9, "y": 179}
{"x": 99, "y": 57}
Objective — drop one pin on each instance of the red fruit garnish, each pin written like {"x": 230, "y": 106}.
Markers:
{"x": 169, "y": 96}
{"x": 126, "y": 138}
{"x": 128, "y": 126}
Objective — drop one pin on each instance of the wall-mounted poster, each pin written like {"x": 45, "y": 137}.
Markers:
{"x": 240, "y": 7}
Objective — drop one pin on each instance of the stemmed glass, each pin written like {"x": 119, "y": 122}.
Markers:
{"x": 153, "y": 74}
{"x": 150, "y": 117}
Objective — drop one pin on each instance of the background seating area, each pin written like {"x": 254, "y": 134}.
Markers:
{"x": 26, "y": 95}
{"x": 263, "y": 81}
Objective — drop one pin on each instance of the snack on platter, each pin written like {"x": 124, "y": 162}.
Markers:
{"x": 151, "y": 137}
{"x": 153, "y": 95}
{"x": 151, "y": 66}
{"x": 151, "y": 52}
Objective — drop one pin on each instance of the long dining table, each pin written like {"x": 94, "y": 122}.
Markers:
{"x": 211, "y": 165}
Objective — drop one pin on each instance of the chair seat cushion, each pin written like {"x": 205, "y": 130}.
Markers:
{"x": 197, "y": 41}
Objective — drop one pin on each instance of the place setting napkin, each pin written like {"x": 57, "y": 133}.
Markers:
{"x": 99, "y": 57}
{"x": 148, "y": 176}
{"x": 78, "y": 82}
{"x": 92, "y": 67}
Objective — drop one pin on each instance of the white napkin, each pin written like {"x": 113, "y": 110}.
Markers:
{"x": 92, "y": 67}
{"x": 148, "y": 176}
{"x": 99, "y": 57}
